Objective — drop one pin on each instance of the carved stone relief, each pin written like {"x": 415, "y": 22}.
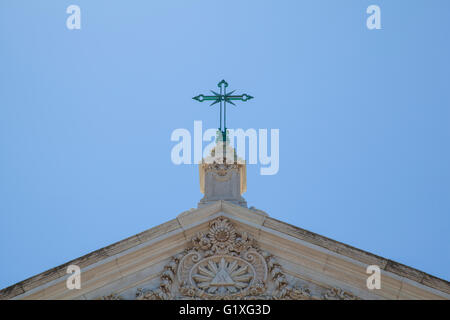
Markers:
{"x": 338, "y": 294}
{"x": 227, "y": 264}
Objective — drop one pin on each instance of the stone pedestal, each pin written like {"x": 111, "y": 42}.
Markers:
{"x": 223, "y": 178}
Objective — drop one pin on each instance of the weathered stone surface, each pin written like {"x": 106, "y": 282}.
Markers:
{"x": 11, "y": 291}
{"x": 436, "y": 283}
{"x": 404, "y": 271}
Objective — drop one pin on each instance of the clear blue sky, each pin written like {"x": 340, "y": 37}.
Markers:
{"x": 86, "y": 117}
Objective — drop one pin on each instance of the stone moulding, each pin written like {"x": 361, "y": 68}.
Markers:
{"x": 225, "y": 264}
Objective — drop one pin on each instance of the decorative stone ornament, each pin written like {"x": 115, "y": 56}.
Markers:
{"x": 338, "y": 294}
{"x": 112, "y": 296}
{"x": 227, "y": 264}
{"x": 222, "y": 264}
{"x": 222, "y": 181}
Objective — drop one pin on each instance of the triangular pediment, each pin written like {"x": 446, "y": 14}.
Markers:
{"x": 224, "y": 250}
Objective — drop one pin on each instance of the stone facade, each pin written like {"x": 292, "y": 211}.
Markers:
{"x": 224, "y": 250}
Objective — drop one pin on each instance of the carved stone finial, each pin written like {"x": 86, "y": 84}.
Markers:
{"x": 223, "y": 176}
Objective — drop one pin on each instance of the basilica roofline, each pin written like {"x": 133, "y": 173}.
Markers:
{"x": 252, "y": 218}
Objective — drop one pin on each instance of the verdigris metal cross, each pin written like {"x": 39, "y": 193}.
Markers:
{"x": 223, "y": 97}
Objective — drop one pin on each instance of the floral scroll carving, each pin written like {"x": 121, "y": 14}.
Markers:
{"x": 339, "y": 294}
{"x": 112, "y": 296}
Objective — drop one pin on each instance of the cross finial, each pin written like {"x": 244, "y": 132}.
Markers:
{"x": 222, "y": 97}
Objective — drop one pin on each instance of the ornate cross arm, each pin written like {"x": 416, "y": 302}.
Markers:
{"x": 220, "y": 97}
{"x": 223, "y": 97}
